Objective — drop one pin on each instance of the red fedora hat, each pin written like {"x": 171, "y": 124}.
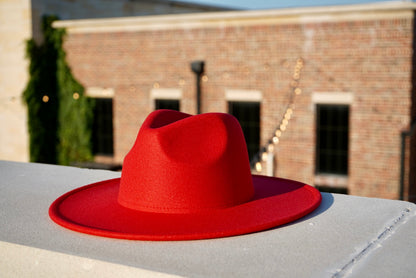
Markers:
{"x": 186, "y": 177}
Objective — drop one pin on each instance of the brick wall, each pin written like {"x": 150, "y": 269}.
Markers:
{"x": 368, "y": 58}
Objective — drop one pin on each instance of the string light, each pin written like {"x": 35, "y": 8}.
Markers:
{"x": 295, "y": 90}
{"x": 156, "y": 85}
{"x": 264, "y": 156}
{"x": 75, "y": 96}
{"x": 258, "y": 167}
{"x": 45, "y": 98}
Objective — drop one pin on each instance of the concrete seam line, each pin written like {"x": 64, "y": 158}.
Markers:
{"x": 375, "y": 243}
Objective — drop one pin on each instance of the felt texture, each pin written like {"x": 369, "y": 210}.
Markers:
{"x": 186, "y": 177}
{"x": 186, "y": 163}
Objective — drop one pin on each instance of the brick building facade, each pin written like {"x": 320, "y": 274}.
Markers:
{"x": 357, "y": 59}
{"x": 21, "y": 20}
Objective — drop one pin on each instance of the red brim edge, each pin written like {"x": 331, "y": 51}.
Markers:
{"x": 93, "y": 209}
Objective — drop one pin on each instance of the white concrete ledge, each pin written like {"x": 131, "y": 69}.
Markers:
{"x": 346, "y": 236}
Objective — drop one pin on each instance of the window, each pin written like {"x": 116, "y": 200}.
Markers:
{"x": 331, "y": 189}
{"x": 332, "y": 125}
{"x": 166, "y": 98}
{"x": 172, "y": 104}
{"x": 248, "y": 114}
{"x": 102, "y": 135}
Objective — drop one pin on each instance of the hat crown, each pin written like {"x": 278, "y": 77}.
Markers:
{"x": 183, "y": 164}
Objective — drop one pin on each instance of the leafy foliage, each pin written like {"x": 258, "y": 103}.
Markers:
{"x": 59, "y": 114}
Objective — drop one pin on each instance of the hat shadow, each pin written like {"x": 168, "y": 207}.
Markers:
{"x": 326, "y": 203}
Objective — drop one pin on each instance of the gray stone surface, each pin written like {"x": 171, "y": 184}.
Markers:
{"x": 346, "y": 236}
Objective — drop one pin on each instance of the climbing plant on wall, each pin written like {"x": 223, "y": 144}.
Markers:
{"x": 59, "y": 114}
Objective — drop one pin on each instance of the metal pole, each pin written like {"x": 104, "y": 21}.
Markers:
{"x": 198, "y": 94}
{"x": 404, "y": 134}
{"x": 198, "y": 68}
{"x": 402, "y": 154}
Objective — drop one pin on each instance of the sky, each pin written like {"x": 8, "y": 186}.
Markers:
{"x": 274, "y": 4}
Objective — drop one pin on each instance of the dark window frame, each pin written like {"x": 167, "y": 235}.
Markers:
{"x": 172, "y": 104}
{"x": 243, "y": 110}
{"x": 332, "y": 139}
{"x": 102, "y": 129}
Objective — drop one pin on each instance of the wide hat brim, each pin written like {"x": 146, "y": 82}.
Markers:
{"x": 94, "y": 209}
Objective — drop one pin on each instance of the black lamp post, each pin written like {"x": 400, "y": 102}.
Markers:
{"x": 198, "y": 68}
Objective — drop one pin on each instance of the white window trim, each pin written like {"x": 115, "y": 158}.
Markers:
{"x": 244, "y": 95}
{"x": 166, "y": 93}
{"x": 331, "y": 180}
{"x": 98, "y": 92}
{"x": 332, "y": 98}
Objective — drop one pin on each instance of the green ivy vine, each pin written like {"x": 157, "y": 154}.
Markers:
{"x": 59, "y": 114}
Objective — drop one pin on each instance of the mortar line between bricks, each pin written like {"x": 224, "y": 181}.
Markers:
{"x": 371, "y": 246}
